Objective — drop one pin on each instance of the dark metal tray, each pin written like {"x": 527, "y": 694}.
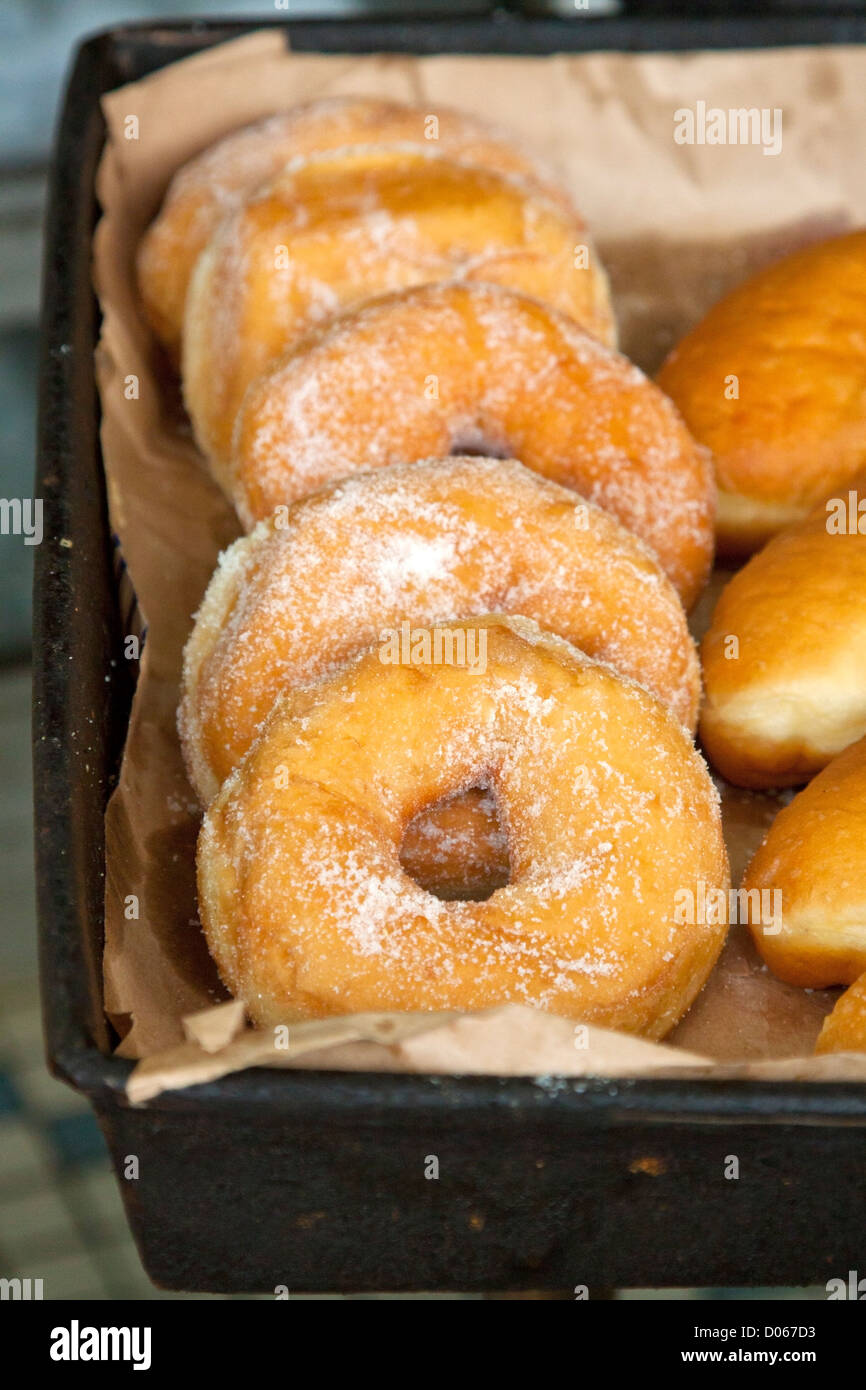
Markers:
{"x": 315, "y": 1180}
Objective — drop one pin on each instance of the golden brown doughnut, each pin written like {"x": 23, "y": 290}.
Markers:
{"x": 814, "y": 857}
{"x": 214, "y": 184}
{"x": 609, "y": 813}
{"x": 784, "y": 658}
{"x": 415, "y": 543}
{"x": 444, "y": 368}
{"x": 790, "y": 343}
{"x": 334, "y": 229}
{"x": 844, "y": 1029}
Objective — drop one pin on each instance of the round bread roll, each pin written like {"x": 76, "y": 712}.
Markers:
{"x": 443, "y": 369}
{"x": 844, "y": 1028}
{"x": 784, "y": 658}
{"x": 814, "y": 859}
{"x": 610, "y": 813}
{"x": 215, "y": 183}
{"x": 773, "y": 381}
{"x": 334, "y": 230}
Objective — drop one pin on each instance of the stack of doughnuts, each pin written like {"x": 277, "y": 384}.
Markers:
{"x": 773, "y": 381}
{"x": 439, "y": 701}
{"x": 218, "y": 182}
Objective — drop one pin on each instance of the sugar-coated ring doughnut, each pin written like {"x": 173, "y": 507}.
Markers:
{"x": 610, "y": 815}
{"x": 444, "y": 538}
{"x": 773, "y": 381}
{"x": 212, "y": 185}
{"x": 784, "y": 658}
{"x": 336, "y": 228}
{"x": 814, "y": 859}
{"x": 446, "y": 368}
{"x": 844, "y": 1028}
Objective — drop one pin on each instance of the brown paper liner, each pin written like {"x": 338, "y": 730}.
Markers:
{"x": 677, "y": 225}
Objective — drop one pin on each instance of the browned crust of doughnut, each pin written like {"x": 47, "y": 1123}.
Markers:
{"x": 435, "y": 369}
{"x": 419, "y": 542}
{"x": 814, "y": 855}
{"x": 844, "y": 1028}
{"x": 213, "y": 184}
{"x": 793, "y": 337}
{"x": 335, "y": 229}
{"x": 308, "y": 913}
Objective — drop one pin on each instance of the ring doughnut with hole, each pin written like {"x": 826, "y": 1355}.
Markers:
{"x": 209, "y": 187}
{"x": 335, "y": 229}
{"x": 478, "y": 369}
{"x": 609, "y": 810}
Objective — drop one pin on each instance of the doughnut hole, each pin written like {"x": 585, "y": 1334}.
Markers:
{"x": 457, "y": 849}
{"x": 475, "y": 441}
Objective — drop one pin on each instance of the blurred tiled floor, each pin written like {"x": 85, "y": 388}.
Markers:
{"x": 61, "y": 1218}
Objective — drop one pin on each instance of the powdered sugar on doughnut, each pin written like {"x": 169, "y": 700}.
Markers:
{"x": 441, "y": 368}
{"x": 334, "y": 229}
{"x": 576, "y": 756}
{"x": 418, "y": 543}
